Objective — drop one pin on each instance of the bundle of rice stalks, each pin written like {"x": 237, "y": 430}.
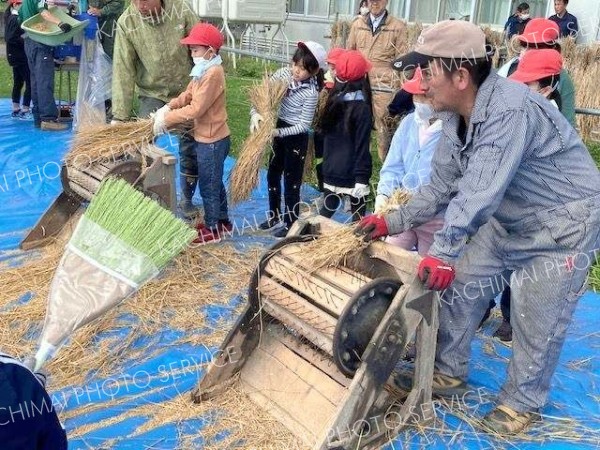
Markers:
{"x": 399, "y": 197}
{"x": 583, "y": 64}
{"x": 340, "y": 30}
{"x": 496, "y": 40}
{"x": 309, "y": 175}
{"x": 392, "y": 122}
{"x": 410, "y": 33}
{"x": 332, "y": 249}
{"x": 265, "y": 97}
{"x": 109, "y": 142}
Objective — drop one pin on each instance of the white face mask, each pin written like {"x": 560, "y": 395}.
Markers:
{"x": 364, "y": 10}
{"x": 525, "y": 16}
{"x": 200, "y": 61}
{"x": 423, "y": 114}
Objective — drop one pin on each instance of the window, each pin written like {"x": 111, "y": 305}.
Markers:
{"x": 424, "y": 11}
{"x": 456, "y": 9}
{"x": 396, "y": 8}
{"x": 313, "y": 8}
{"x": 318, "y": 8}
{"x": 344, "y": 7}
{"x": 494, "y": 12}
{"x": 297, "y": 6}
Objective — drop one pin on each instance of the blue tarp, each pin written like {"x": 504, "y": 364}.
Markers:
{"x": 29, "y": 166}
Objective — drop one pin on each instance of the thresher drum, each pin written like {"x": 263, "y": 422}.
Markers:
{"x": 317, "y": 348}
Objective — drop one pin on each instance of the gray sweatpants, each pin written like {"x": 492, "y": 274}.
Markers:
{"x": 546, "y": 264}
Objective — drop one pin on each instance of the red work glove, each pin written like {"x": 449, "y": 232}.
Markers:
{"x": 372, "y": 227}
{"x": 435, "y": 273}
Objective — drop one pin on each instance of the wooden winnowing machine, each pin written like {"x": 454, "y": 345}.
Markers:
{"x": 151, "y": 170}
{"x": 318, "y": 348}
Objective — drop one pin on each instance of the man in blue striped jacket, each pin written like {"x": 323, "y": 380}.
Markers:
{"x": 523, "y": 206}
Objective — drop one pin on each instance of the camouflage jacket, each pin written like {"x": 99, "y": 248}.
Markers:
{"x": 148, "y": 55}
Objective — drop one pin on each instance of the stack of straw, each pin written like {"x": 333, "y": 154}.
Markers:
{"x": 398, "y": 198}
{"x": 340, "y": 30}
{"x": 109, "y": 142}
{"x": 332, "y": 249}
{"x": 266, "y": 97}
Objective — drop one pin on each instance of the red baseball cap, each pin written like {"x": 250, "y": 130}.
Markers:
{"x": 14, "y": 2}
{"x": 352, "y": 66}
{"x": 334, "y": 55}
{"x": 537, "y": 64}
{"x": 540, "y": 31}
{"x": 204, "y": 34}
{"x": 413, "y": 86}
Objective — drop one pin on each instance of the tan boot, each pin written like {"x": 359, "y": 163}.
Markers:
{"x": 506, "y": 421}
{"x": 53, "y": 125}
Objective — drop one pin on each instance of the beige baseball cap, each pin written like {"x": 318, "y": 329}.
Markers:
{"x": 451, "y": 39}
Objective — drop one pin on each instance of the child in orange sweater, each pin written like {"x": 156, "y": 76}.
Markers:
{"x": 203, "y": 102}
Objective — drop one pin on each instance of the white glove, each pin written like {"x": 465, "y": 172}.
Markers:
{"x": 163, "y": 110}
{"x": 360, "y": 190}
{"x": 159, "y": 127}
{"x": 255, "y": 121}
{"x": 380, "y": 201}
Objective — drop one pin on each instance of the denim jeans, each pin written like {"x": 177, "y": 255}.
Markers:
{"x": 188, "y": 167}
{"x": 40, "y": 58}
{"x": 211, "y": 159}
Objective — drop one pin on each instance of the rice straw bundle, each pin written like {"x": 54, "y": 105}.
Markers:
{"x": 309, "y": 174}
{"x": 332, "y": 249}
{"x": 399, "y": 197}
{"x": 266, "y": 97}
{"x": 108, "y": 142}
{"x": 340, "y": 30}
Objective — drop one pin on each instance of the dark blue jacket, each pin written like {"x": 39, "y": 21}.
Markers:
{"x": 514, "y": 25}
{"x": 568, "y": 24}
{"x": 15, "y": 47}
{"x": 27, "y": 417}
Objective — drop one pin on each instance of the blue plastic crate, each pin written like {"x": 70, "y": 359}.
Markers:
{"x": 64, "y": 50}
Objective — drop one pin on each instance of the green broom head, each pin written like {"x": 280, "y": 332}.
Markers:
{"x": 129, "y": 234}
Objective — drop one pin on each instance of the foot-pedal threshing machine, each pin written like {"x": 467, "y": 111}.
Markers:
{"x": 151, "y": 170}
{"x": 318, "y": 348}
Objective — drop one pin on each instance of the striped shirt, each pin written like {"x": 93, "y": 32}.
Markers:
{"x": 521, "y": 163}
{"x": 299, "y": 104}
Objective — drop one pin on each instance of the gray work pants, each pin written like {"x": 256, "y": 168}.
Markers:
{"x": 546, "y": 264}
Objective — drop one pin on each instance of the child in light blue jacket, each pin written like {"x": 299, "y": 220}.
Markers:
{"x": 408, "y": 164}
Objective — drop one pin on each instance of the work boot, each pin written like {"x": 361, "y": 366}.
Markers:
{"x": 504, "y": 333}
{"x": 506, "y": 421}
{"x": 443, "y": 386}
{"x": 53, "y": 125}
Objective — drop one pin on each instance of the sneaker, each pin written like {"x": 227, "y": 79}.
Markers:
{"x": 281, "y": 232}
{"x": 25, "y": 115}
{"x": 207, "y": 235}
{"x": 504, "y": 333}
{"x": 506, "y": 421}
{"x": 16, "y": 114}
{"x": 225, "y": 226}
{"x": 443, "y": 386}
{"x": 53, "y": 125}
{"x": 270, "y": 224}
